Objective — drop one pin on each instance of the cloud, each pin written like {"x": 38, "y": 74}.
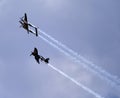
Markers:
{"x": 53, "y": 3}
{"x": 27, "y": 79}
{"x": 2, "y": 4}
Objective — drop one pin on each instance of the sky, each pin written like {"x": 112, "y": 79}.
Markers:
{"x": 88, "y": 27}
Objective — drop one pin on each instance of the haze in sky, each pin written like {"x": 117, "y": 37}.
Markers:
{"x": 91, "y": 28}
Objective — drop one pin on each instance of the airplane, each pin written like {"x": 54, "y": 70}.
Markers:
{"x": 24, "y": 23}
{"x": 37, "y": 56}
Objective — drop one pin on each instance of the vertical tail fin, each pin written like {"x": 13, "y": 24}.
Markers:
{"x": 47, "y": 60}
{"x": 36, "y": 31}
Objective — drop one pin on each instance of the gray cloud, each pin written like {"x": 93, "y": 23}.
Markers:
{"x": 89, "y": 27}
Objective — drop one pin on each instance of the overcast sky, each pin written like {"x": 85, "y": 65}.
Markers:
{"x": 89, "y": 27}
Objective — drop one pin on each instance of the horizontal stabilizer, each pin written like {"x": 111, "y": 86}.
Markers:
{"x": 47, "y": 60}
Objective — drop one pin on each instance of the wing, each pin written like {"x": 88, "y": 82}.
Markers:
{"x": 37, "y": 59}
{"x": 26, "y": 21}
{"x": 36, "y": 51}
{"x": 25, "y": 17}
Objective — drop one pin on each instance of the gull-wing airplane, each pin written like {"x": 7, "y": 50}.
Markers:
{"x": 37, "y": 56}
{"x": 26, "y": 25}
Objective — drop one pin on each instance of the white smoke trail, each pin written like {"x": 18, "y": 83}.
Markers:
{"x": 63, "y": 51}
{"x": 65, "y": 75}
{"x": 52, "y": 44}
{"x": 77, "y": 83}
{"x": 113, "y": 80}
{"x": 87, "y": 64}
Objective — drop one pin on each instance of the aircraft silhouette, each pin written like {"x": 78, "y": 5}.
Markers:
{"x": 24, "y": 23}
{"x": 37, "y": 56}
